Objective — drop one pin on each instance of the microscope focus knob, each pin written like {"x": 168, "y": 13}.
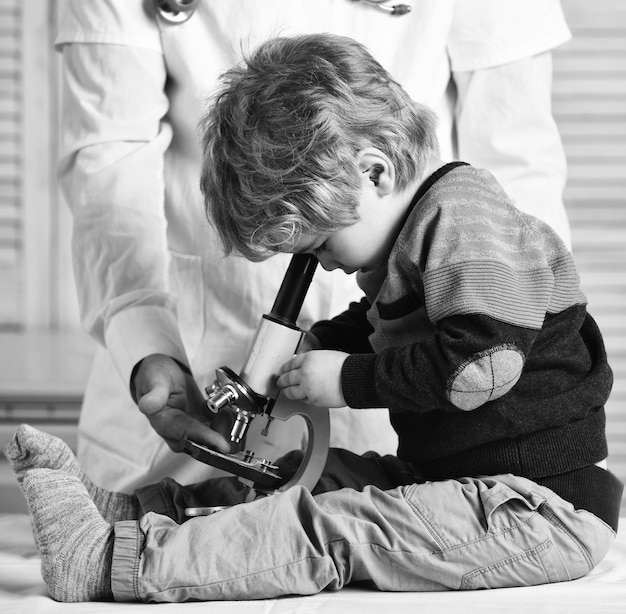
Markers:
{"x": 221, "y": 397}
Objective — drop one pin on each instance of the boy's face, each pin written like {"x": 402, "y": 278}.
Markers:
{"x": 362, "y": 245}
{"x": 344, "y": 249}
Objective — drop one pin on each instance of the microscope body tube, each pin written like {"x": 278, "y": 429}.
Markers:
{"x": 294, "y": 287}
{"x": 277, "y": 337}
{"x": 274, "y": 344}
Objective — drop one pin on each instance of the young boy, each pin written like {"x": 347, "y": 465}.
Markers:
{"x": 473, "y": 332}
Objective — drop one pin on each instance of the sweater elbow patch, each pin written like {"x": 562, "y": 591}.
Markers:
{"x": 485, "y": 376}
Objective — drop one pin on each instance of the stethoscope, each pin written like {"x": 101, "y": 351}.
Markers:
{"x": 179, "y": 11}
{"x": 175, "y": 11}
{"x": 392, "y": 9}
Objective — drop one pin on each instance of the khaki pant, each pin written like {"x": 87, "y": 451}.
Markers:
{"x": 470, "y": 533}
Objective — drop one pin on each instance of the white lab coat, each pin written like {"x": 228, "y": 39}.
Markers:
{"x": 149, "y": 271}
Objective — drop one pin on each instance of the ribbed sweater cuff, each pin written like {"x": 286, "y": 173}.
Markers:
{"x": 358, "y": 381}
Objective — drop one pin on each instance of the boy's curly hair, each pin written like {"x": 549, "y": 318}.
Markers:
{"x": 281, "y": 138}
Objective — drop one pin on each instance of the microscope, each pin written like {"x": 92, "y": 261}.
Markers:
{"x": 253, "y": 394}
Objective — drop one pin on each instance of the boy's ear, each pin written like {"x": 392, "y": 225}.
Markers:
{"x": 377, "y": 169}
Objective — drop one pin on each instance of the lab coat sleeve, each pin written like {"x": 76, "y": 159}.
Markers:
{"x": 502, "y": 68}
{"x": 504, "y": 123}
{"x": 114, "y": 136}
{"x": 487, "y": 33}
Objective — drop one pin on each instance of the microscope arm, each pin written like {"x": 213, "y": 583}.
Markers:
{"x": 317, "y": 420}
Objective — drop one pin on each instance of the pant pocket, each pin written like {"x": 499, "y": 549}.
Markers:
{"x": 504, "y": 506}
{"x": 539, "y": 565}
{"x": 520, "y": 549}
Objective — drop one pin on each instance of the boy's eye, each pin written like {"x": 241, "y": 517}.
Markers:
{"x": 318, "y": 250}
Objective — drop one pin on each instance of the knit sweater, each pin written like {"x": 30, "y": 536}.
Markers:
{"x": 475, "y": 335}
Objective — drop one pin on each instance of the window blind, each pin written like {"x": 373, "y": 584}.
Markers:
{"x": 589, "y": 99}
{"x": 10, "y": 163}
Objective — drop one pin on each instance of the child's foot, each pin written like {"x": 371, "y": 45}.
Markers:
{"x": 75, "y": 542}
{"x": 30, "y": 449}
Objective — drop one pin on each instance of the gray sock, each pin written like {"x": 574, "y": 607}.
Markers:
{"x": 30, "y": 448}
{"x": 75, "y": 542}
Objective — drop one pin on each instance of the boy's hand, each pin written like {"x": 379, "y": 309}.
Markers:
{"x": 314, "y": 377}
{"x": 172, "y": 402}
{"x": 309, "y": 342}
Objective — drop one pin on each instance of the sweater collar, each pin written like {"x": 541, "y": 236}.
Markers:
{"x": 432, "y": 179}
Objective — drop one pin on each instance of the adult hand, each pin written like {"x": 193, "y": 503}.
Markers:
{"x": 314, "y": 377}
{"x": 172, "y": 402}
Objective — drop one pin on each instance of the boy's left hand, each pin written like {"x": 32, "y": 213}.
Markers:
{"x": 314, "y": 377}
